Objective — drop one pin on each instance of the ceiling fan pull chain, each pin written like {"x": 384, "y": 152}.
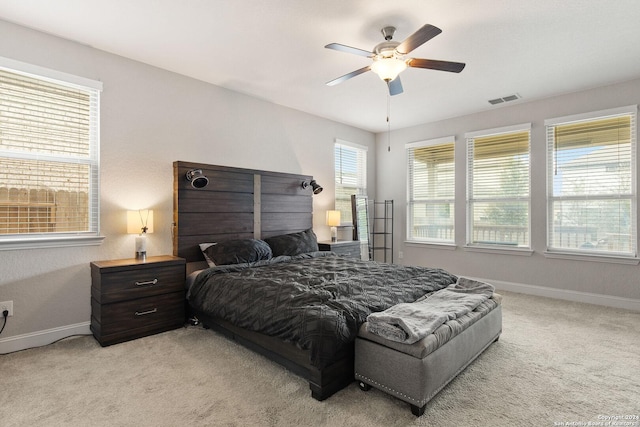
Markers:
{"x": 388, "y": 121}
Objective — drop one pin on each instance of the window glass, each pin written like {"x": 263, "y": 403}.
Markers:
{"x": 350, "y": 176}
{"x": 591, "y": 184}
{"x": 498, "y": 187}
{"x": 431, "y": 191}
{"x": 48, "y": 157}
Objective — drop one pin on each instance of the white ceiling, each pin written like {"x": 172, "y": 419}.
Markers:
{"x": 274, "y": 49}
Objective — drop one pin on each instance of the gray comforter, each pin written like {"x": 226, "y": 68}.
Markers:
{"x": 411, "y": 322}
{"x": 317, "y": 300}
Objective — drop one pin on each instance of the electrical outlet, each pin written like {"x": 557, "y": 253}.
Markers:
{"x": 6, "y": 305}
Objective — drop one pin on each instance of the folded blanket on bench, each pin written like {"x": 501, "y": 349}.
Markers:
{"x": 410, "y": 322}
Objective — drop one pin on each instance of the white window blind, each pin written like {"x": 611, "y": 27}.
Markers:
{"x": 431, "y": 190}
{"x": 49, "y": 157}
{"x": 350, "y": 175}
{"x": 498, "y": 187}
{"x": 592, "y": 183}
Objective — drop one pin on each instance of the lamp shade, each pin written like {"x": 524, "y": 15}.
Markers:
{"x": 137, "y": 221}
{"x": 333, "y": 218}
{"x": 388, "y": 68}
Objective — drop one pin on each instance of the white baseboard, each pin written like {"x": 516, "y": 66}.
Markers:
{"x": 563, "y": 294}
{"x": 40, "y": 338}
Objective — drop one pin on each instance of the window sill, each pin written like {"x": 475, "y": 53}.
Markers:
{"x": 435, "y": 245}
{"x": 592, "y": 257}
{"x": 49, "y": 242}
{"x": 502, "y": 250}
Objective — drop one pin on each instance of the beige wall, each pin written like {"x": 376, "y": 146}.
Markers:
{"x": 598, "y": 282}
{"x": 149, "y": 119}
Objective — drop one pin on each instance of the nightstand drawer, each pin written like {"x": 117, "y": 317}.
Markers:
{"x": 142, "y": 316}
{"x": 348, "y": 248}
{"x": 135, "y": 283}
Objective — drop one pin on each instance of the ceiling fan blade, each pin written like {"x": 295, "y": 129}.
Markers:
{"x": 432, "y": 64}
{"x": 349, "y": 49}
{"x": 395, "y": 86}
{"x": 348, "y": 76}
{"x": 423, "y": 35}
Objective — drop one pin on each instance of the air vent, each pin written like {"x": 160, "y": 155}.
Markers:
{"x": 504, "y": 99}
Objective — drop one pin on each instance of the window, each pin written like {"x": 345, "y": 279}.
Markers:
{"x": 591, "y": 176}
{"x": 49, "y": 150}
{"x": 351, "y": 176}
{"x": 498, "y": 187}
{"x": 431, "y": 191}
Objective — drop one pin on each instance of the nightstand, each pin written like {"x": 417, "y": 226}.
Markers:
{"x": 132, "y": 298}
{"x": 348, "y": 248}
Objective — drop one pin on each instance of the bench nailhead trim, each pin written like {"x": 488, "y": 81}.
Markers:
{"x": 396, "y": 392}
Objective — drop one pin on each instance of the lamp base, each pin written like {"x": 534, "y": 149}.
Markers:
{"x": 334, "y": 234}
{"x": 141, "y": 246}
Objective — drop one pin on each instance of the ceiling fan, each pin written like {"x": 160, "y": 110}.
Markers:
{"x": 389, "y": 57}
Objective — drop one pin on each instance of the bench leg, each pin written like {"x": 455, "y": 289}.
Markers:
{"x": 364, "y": 386}
{"x": 418, "y": 411}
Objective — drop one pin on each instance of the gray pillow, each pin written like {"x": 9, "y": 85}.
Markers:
{"x": 293, "y": 243}
{"x": 235, "y": 251}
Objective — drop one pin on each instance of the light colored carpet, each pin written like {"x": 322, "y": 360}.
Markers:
{"x": 556, "y": 362}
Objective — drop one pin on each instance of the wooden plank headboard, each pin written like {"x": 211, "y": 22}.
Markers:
{"x": 237, "y": 203}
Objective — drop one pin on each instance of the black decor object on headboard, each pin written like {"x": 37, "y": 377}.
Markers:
{"x": 237, "y": 203}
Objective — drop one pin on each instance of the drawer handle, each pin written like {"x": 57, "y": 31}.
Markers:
{"x": 148, "y": 282}
{"x": 144, "y": 313}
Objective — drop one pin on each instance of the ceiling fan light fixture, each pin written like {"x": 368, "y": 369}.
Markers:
{"x": 388, "y": 68}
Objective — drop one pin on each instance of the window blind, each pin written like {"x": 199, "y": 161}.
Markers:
{"x": 498, "y": 187}
{"x": 431, "y": 190}
{"x": 49, "y": 136}
{"x": 350, "y": 176}
{"x": 591, "y": 183}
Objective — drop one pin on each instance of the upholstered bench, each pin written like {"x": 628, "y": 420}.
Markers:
{"x": 416, "y": 372}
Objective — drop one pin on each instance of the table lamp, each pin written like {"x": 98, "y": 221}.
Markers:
{"x": 333, "y": 221}
{"x": 140, "y": 222}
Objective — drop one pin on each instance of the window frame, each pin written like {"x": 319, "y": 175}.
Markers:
{"x": 362, "y": 174}
{"x": 584, "y": 254}
{"x": 63, "y": 239}
{"x": 469, "y": 199}
{"x": 411, "y": 200}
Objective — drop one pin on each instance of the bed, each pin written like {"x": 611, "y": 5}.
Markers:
{"x": 258, "y": 278}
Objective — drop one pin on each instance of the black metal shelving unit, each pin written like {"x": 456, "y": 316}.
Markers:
{"x": 381, "y": 225}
